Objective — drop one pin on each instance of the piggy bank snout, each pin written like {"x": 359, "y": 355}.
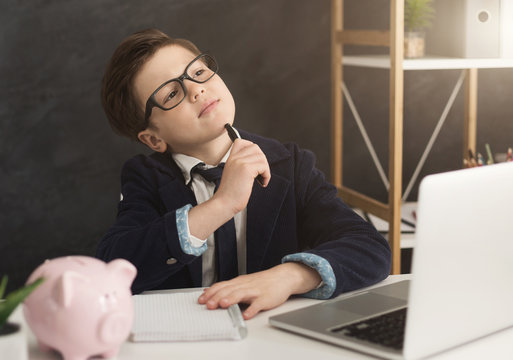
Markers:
{"x": 123, "y": 270}
{"x": 115, "y": 327}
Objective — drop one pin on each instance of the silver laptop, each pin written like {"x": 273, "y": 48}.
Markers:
{"x": 462, "y": 276}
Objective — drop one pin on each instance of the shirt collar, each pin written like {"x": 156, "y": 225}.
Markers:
{"x": 186, "y": 163}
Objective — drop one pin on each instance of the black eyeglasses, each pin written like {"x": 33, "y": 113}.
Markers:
{"x": 171, "y": 93}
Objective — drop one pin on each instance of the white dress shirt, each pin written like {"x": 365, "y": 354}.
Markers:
{"x": 203, "y": 191}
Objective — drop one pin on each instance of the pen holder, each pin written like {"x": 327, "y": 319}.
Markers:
{"x": 472, "y": 160}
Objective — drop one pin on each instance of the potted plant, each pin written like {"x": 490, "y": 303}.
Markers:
{"x": 13, "y": 343}
{"x": 418, "y": 16}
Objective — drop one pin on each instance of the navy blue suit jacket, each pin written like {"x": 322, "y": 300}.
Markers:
{"x": 297, "y": 212}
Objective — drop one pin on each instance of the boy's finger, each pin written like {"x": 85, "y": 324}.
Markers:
{"x": 240, "y": 144}
{"x": 211, "y": 291}
{"x": 248, "y": 149}
{"x": 252, "y": 310}
{"x": 264, "y": 177}
{"x": 223, "y": 298}
{"x": 235, "y": 297}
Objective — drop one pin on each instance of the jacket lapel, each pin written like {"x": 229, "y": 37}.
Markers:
{"x": 265, "y": 203}
{"x": 263, "y": 210}
{"x": 176, "y": 194}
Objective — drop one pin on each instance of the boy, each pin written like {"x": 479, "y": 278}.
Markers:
{"x": 255, "y": 242}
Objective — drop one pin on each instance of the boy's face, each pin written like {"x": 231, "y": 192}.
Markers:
{"x": 198, "y": 120}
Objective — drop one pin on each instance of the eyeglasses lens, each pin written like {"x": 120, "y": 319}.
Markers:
{"x": 199, "y": 71}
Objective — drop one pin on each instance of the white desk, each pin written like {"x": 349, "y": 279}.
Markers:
{"x": 265, "y": 343}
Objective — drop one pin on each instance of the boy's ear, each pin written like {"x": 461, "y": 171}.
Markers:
{"x": 152, "y": 140}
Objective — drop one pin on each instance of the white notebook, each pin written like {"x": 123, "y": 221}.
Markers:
{"x": 178, "y": 317}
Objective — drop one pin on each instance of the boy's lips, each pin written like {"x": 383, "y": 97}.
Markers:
{"x": 208, "y": 106}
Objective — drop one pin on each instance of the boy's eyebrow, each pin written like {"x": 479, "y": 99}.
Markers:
{"x": 178, "y": 75}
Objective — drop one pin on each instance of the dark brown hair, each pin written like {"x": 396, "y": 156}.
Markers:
{"x": 124, "y": 112}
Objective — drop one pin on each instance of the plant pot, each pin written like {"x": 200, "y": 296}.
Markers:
{"x": 414, "y": 44}
{"x": 13, "y": 342}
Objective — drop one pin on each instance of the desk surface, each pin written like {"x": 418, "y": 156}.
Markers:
{"x": 265, "y": 342}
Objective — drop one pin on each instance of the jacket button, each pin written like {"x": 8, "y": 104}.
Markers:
{"x": 171, "y": 261}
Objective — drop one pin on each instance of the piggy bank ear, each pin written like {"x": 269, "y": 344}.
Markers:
{"x": 66, "y": 286}
{"x": 123, "y": 269}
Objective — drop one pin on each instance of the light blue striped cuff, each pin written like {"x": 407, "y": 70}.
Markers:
{"x": 323, "y": 267}
{"x": 182, "y": 225}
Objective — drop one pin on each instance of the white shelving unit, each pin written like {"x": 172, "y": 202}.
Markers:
{"x": 427, "y": 63}
{"x": 408, "y": 222}
{"x": 396, "y": 64}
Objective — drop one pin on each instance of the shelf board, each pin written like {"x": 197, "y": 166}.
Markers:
{"x": 427, "y": 63}
{"x": 407, "y": 240}
{"x": 408, "y": 213}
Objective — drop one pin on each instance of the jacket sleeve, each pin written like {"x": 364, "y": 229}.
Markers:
{"x": 358, "y": 254}
{"x": 144, "y": 232}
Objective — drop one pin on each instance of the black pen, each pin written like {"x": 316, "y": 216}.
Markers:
{"x": 231, "y": 132}
{"x": 234, "y": 136}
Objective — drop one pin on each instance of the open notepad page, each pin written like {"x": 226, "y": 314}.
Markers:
{"x": 179, "y": 317}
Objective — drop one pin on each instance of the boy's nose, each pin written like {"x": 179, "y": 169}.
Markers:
{"x": 195, "y": 90}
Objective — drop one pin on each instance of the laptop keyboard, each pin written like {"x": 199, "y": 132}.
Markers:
{"x": 386, "y": 330}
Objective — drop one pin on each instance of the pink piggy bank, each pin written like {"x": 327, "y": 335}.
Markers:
{"x": 83, "y": 308}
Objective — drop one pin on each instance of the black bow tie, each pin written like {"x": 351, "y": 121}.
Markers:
{"x": 212, "y": 175}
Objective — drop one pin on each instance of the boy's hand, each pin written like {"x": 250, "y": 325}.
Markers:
{"x": 245, "y": 163}
{"x": 263, "y": 290}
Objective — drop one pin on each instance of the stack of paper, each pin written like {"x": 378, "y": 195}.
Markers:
{"x": 179, "y": 317}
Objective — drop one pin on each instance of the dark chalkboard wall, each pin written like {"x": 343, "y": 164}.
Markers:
{"x": 60, "y": 161}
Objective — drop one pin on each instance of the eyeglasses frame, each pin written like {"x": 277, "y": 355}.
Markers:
{"x": 151, "y": 102}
